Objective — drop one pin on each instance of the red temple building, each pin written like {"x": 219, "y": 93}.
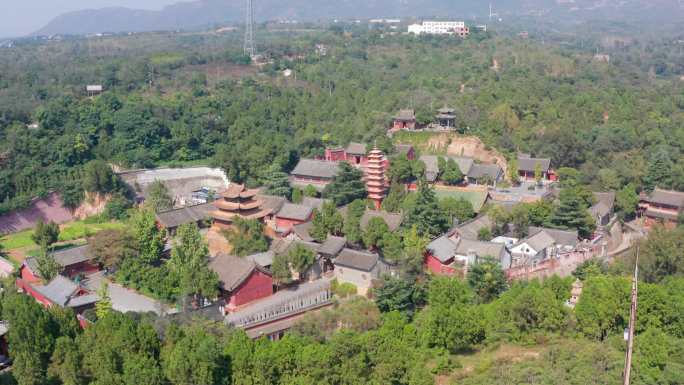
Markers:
{"x": 661, "y": 206}
{"x": 241, "y": 280}
{"x": 375, "y": 177}
{"x": 237, "y": 201}
{"x": 405, "y": 120}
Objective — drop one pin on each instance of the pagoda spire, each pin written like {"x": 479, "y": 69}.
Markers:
{"x": 375, "y": 176}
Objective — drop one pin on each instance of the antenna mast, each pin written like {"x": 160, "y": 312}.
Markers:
{"x": 632, "y": 322}
{"x": 249, "y": 45}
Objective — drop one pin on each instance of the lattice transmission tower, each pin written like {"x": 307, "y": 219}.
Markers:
{"x": 249, "y": 45}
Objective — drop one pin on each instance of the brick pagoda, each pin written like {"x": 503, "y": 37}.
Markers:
{"x": 237, "y": 201}
{"x": 375, "y": 176}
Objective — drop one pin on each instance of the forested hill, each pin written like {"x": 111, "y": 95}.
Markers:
{"x": 202, "y": 13}
{"x": 185, "y": 98}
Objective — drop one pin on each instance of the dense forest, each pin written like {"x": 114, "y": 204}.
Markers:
{"x": 179, "y": 98}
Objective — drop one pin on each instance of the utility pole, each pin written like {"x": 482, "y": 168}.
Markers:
{"x": 249, "y": 45}
{"x": 632, "y": 322}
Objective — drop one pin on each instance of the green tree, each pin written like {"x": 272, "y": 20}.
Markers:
{"x": 149, "y": 238}
{"x": 110, "y": 247}
{"x": 484, "y": 234}
{"x": 571, "y": 213}
{"x": 425, "y": 213}
{"x": 414, "y": 251}
{"x": 568, "y": 177}
{"x": 194, "y": 358}
{"x": 328, "y": 221}
{"x": 346, "y": 186}
{"x": 513, "y": 171}
{"x": 352, "y": 223}
{"x": 452, "y": 174}
{"x": 626, "y": 201}
{"x": 659, "y": 170}
{"x": 47, "y": 266}
{"x": 65, "y": 365}
{"x": 99, "y": 177}
{"x": 158, "y": 197}
{"x": 662, "y": 254}
{"x": 190, "y": 262}
{"x": 375, "y": 232}
{"x": 301, "y": 258}
{"x": 246, "y": 237}
{"x": 277, "y": 182}
{"x": 45, "y": 234}
{"x": 297, "y": 195}
{"x": 104, "y": 306}
{"x": 397, "y": 294}
{"x": 393, "y": 200}
{"x": 457, "y": 208}
{"x": 391, "y": 247}
{"x": 282, "y": 272}
{"x": 117, "y": 207}
{"x": 538, "y": 172}
{"x": 310, "y": 191}
{"x": 603, "y": 307}
{"x": 487, "y": 279}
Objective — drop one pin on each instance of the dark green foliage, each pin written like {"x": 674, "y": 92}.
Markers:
{"x": 47, "y": 266}
{"x": 149, "y": 238}
{"x": 571, "y": 213}
{"x": 117, "y": 207}
{"x": 626, "y": 201}
{"x": 459, "y": 209}
{"x": 328, "y": 221}
{"x": 301, "y": 258}
{"x": 395, "y": 197}
{"x": 662, "y": 254}
{"x": 247, "y": 237}
{"x": 189, "y": 263}
{"x": 45, "y": 234}
{"x": 99, "y": 177}
{"x": 375, "y": 232}
{"x": 397, "y": 294}
{"x": 111, "y": 247}
{"x": 277, "y": 183}
{"x": 352, "y": 223}
{"x": 659, "y": 171}
{"x": 347, "y": 185}
{"x": 487, "y": 280}
{"x": 451, "y": 174}
{"x": 425, "y": 213}
{"x": 589, "y": 268}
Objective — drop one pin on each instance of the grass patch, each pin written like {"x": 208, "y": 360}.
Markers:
{"x": 69, "y": 232}
{"x": 476, "y": 198}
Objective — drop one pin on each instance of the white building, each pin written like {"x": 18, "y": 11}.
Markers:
{"x": 440, "y": 28}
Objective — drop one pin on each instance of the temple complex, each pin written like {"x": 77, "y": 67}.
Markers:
{"x": 237, "y": 201}
{"x": 375, "y": 177}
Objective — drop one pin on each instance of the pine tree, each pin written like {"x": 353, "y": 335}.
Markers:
{"x": 425, "y": 213}
{"x": 104, "y": 306}
{"x": 395, "y": 197}
{"x": 571, "y": 213}
{"x": 277, "y": 182}
{"x": 452, "y": 173}
{"x": 659, "y": 169}
{"x": 150, "y": 240}
{"x": 513, "y": 171}
{"x": 346, "y": 186}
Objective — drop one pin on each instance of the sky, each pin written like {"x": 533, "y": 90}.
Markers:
{"x": 21, "y": 17}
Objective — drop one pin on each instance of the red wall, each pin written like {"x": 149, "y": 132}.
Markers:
{"x": 258, "y": 285}
{"x": 400, "y": 124}
{"x": 26, "y": 287}
{"x": 27, "y": 275}
{"x": 436, "y": 267}
{"x": 286, "y": 223}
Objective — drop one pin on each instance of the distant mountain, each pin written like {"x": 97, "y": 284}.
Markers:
{"x": 201, "y": 13}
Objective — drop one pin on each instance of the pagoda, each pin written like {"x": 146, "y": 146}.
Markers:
{"x": 375, "y": 176}
{"x": 237, "y": 201}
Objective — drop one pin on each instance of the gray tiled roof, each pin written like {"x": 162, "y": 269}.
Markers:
{"x": 316, "y": 203}
{"x": 61, "y": 290}
{"x": 442, "y": 248}
{"x": 271, "y": 202}
{"x": 262, "y": 259}
{"x": 302, "y": 231}
{"x": 359, "y": 260}
{"x": 667, "y": 197}
{"x": 356, "y": 148}
{"x": 316, "y": 168}
{"x": 539, "y": 241}
{"x": 392, "y": 220}
{"x": 528, "y": 164}
{"x": 470, "y": 229}
{"x": 232, "y": 271}
{"x": 604, "y": 203}
{"x": 32, "y": 263}
{"x": 479, "y": 170}
{"x": 332, "y": 245}
{"x": 560, "y": 237}
{"x": 189, "y": 214}
{"x": 403, "y": 148}
{"x": 432, "y": 165}
{"x": 406, "y": 115}
{"x": 72, "y": 256}
{"x": 480, "y": 248}
{"x": 295, "y": 211}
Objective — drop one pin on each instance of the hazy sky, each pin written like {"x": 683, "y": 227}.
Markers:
{"x": 21, "y": 17}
